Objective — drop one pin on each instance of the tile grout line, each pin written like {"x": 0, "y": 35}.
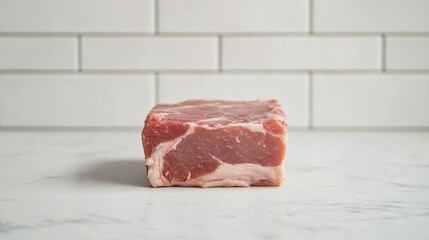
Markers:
{"x": 79, "y": 53}
{"x": 220, "y": 53}
{"x": 212, "y": 71}
{"x": 9, "y": 128}
{"x": 310, "y": 100}
{"x": 210, "y": 34}
{"x": 310, "y": 16}
{"x": 156, "y": 21}
{"x": 383, "y": 52}
{"x": 156, "y": 33}
{"x": 371, "y": 129}
{"x": 156, "y": 87}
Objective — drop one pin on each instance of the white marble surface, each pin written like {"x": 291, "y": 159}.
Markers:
{"x": 65, "y": 185}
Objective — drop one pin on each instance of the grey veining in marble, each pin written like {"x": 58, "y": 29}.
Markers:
{"x": 64, "y": 185}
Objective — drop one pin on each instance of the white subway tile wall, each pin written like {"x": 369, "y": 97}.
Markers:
{"x": 226, "y": 16}
{"x": 149, "y": 53}
{"x": 371, "y": 16}
{"x": 75, "y": 100}
{"x": 302, "y": 53}
{"x": 106, "y": 63}
{"x": 38, "y": 53}
{"x": 76, "y": 16}
{"x": 407, "y": 53}
{"x": 371, "y": 100}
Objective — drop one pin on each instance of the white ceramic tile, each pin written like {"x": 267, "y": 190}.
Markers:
{"x": 38, "y": 53}
{"x": 233, "y": 16}
{"x": 75, "y": 100}
{"x": 371, "y": 100}
{"x": 302, "y": 53}
{"x": 76, "y": 16}
{"x": 150, "y": 53}
{"x": 407, "y": 52}
{"x": 371, "y": 16}
{"x": 290, "y": 90}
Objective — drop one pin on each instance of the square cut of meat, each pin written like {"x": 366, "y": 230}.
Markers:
{"x": 215, "y": 143}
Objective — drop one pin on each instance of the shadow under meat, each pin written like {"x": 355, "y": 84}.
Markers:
{"x": 125, "y": 172}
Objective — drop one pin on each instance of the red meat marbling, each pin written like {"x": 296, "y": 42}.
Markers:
{"x": 215, "y": 143}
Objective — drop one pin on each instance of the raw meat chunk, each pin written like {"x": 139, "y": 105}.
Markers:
{"x": 215, "y": 143}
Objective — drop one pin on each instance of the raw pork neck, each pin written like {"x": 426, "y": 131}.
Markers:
{"x": 215, "y": 143}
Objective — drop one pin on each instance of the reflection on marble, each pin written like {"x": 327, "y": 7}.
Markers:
{"x": 351, "y": 185}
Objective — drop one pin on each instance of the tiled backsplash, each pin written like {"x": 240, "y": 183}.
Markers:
{"x": 332, "y": 63}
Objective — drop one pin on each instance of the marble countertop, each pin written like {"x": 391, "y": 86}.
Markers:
{"x": 92, "y": 185}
